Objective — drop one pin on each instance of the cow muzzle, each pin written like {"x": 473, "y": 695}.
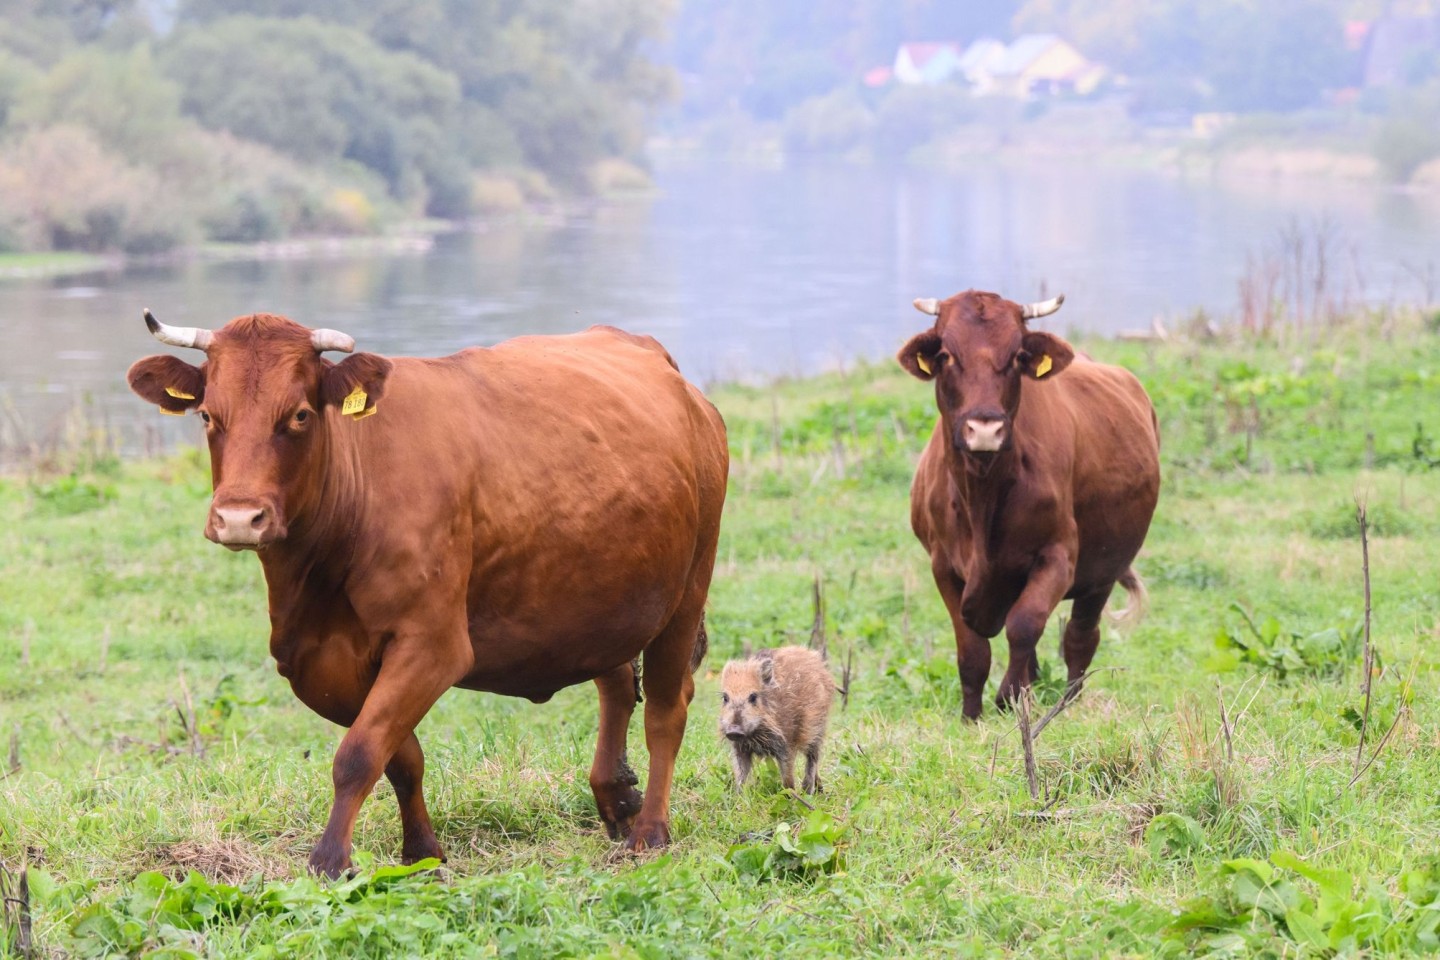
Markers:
{"x": 984, "y": 434}
{"x": 243, "y": 526}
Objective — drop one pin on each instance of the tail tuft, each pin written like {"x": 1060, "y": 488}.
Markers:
{"x": 1139, "y": 601}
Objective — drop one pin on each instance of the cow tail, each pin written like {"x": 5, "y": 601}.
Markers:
{"x": 1139, "y": 600}
{"x": 702, "y": 646}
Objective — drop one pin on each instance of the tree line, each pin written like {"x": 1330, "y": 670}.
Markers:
{"x": 140, "y": 126}
{"x": 796, "y": 65}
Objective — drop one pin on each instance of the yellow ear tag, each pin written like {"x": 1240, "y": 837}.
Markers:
{"x": 355, "y": 403}
{"x": 172, "y": 413}
{"x": 368, "y": 413}
{"x": 179, "y": 394}
{"x": 920, "y": 362}
{"x": 1043, "y": 367}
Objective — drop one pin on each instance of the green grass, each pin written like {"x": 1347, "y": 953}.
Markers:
{"x": 1155, "y": 838}
{"x": 54, "y": 263}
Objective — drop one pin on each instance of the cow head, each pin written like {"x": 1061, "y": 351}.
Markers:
{"x": 263, "y": 392}
{"x": 979, "y": 353}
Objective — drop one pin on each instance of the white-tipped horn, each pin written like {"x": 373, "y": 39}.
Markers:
{"x": 196, "y": 337}
{"x": 928, "y": 305}
{"x": 1042, "y": 309}
{"x": 326, "y": 339}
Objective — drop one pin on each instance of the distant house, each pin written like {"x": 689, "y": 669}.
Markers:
{"x": 1042, "y": 64}
{"x": 978, "y": 60}
{"x": 1396, "y": 46}
{"x": 1034, "y": 65}
{"x": 926, "y": 63}
{"x": 878, "y": 76}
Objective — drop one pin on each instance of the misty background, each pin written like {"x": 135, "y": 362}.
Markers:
{"x": 763, "y": 184}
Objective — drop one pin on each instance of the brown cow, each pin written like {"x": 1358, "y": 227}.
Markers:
{"x": 1027, "y": 493}
{"x": 515, "y": 519}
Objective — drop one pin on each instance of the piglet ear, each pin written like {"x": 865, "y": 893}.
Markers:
{"x": 1044, "y": 354}
{"x": 920, "y": 357}
{"x": 168, "y": 382}
{"x": 355, "y": 384}
{"x": 767, "y": 671}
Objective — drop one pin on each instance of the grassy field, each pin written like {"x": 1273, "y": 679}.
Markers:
{"x": 1196, "y": 800}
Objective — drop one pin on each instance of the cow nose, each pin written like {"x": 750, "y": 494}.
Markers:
{"x": 241, "y": 526}
{"x": 984, "y": 435}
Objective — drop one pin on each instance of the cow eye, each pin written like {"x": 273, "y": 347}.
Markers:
{"x": 754, "y": 698}
{"x": 205, "y": 416}
{"x": 301, "y": 416}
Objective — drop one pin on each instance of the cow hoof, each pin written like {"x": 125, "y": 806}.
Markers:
{"x": 329, "y": 864}
{"x": 618, "y": 814}
{"x": 428, "y": 850}
{"x": 648, "y": 836}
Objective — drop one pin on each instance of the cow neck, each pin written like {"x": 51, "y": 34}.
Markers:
{"x": 323, "y": 532}
{"x": 984, "y": 488}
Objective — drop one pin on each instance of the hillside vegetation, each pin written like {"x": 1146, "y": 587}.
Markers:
{"x": 140, "y": 127}
{"x": 1200, "y": 798}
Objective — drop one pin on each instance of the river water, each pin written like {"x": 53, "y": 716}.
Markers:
{"x": 742, "y": 271}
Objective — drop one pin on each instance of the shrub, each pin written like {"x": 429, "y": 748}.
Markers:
{"x": 911, "y": 117}
{"x": 834, "y": 123}
{"x": 65, "y": 191}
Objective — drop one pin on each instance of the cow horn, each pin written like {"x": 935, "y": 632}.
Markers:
{"x": 1042, "y": 309}
{"x": 196, "y": 337}
{"x": 326, "y": 339}
{"x": 928, "y": 305}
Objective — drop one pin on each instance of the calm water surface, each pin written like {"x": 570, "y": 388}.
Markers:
{"x": 742, "y": 272}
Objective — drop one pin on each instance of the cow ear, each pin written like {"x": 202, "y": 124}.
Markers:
{"x": 168, "y": 382}
{"x": 1043, "y": 355}
{"x": 921, "y": 355}
{"x": 355, "y": 384}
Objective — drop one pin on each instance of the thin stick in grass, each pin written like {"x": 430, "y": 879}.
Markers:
{"x": 1362, "y": 518}
{"x": 1027, "y": 743}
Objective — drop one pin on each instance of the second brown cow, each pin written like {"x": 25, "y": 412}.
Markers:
{"x": 1037, "y": 485}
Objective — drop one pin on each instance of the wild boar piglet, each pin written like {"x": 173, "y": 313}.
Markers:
{"x": 776, "y": 703}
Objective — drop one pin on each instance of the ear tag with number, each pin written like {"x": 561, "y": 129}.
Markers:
{"x": 1043, "y": 367}
{"x": 355, "y": 403}
{"x": 179, "y": 394}
{"x": 920, "y": 362}
{"x": 367, "y": 413}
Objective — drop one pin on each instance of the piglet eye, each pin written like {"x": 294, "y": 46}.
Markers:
{"x": 754, "y": 698}
{"x": 724, "y": 698}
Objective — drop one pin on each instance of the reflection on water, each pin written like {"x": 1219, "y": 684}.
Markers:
{"x": 740, "y": 271}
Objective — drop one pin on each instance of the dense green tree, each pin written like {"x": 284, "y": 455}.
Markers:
{"x": 321, "y": 93}
{"x": 561, "y": 83}
{"x": 121, "y": 97}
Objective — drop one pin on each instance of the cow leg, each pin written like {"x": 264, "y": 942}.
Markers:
{"x": 1082, "y": 636}
{"x": 669, "y": 688}
{"x": 415, "y": 670}
{"x": 1047, "y": 586}
{"x": 972, "y": 651}
{"x": 611, "y": 779}
{"x": 406, "y": 771}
